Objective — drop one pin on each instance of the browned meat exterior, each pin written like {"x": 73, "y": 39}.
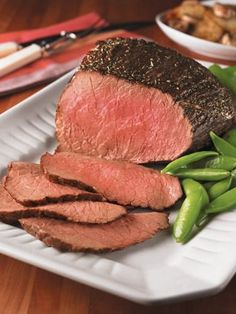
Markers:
{"x": 119, "y": 181}
{"x": 137, "y": 101}
{"x": 27, "y": 184}
{"x": 83, "y": 211}
{"x": 128, "y": 230}
{"x": 9, "y": 208}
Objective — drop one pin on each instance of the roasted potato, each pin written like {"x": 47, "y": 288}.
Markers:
{"x": 208, "y": 29}
{"x": 217, "y": 24}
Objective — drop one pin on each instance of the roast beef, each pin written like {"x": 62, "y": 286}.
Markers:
{"x": 27, "y": 185}
{"x": 130, "y": 229}
{"x": 137, "y": 101}
{"x": 123, "y": 182}
{"x": 83, "y": 211}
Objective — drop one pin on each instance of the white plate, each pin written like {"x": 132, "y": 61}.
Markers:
{"x": 198, "y": 45}
{"x": 157, "y": 270}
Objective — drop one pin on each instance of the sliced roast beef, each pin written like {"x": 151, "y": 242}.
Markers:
{"x": 82, "y": 211}
{"x": 119, "y": 181}
{"x": 128, "y": 230}
{"x": 137, "y": 101}
{"x": 27, "y": 185}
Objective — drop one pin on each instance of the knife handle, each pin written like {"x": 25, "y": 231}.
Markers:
{"x": 8, "y": 48}
{"x": 20, "y": 58}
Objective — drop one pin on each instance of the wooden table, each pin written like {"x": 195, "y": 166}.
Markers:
{"x": 25, "y": 289}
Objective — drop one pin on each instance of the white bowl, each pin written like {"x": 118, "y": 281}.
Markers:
{"x": 198, "y": 45}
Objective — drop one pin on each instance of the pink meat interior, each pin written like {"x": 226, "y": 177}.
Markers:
{"x": 104, "y": 116}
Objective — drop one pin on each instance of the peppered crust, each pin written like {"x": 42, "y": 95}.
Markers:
{"x": 206, "y": 103}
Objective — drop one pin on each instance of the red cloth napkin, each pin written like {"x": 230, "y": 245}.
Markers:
{"x": 47, "y": 69}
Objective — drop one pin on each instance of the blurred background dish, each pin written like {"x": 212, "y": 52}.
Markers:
{"x": 199, "y": 45}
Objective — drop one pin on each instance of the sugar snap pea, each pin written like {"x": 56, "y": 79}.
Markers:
{"x": 231, "y": 70}
{"x": 205, "y": 174}
{"x": 219, "y": 188}
{"x": 209, "y": 167}
{"x": 224, "y": 202}
{"x": 196, "y": 198}
{"x": 222, "y": 146}
{"x": 190, "y": 184}
{"x": 187, "y": 215}
{"x": 187, "y": 159}
{"x": 221, "y": 162}
{"x": 223, "y": 77}
{"x": 230, "y": 137}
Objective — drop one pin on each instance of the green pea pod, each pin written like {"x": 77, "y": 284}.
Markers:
{"x": 189, "y": 210}
{"x": 222, "y": 162}
{"x": 189, "y": 185}
{"x": 231, "y": 70}
{"x": 205, "y": 174}
{"x": 223, "y": 77}
{"x": 224, "y": 202}
{"x": 222, "y": 146}
{"x": 219, "y": 188}
{"x": 187, "y": 159}
{"x": 230, "y": 137}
